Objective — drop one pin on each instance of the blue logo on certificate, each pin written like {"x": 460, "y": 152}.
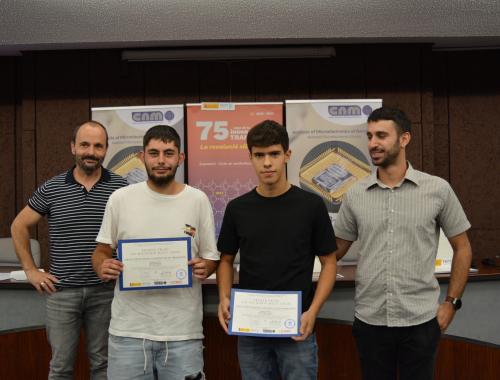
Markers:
{"x": 181, "y": 273}
{"x": 289, "y": 323}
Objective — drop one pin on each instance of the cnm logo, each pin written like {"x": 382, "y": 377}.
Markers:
{"x": 147, "y": 116}
{"x": 347, "y": 110}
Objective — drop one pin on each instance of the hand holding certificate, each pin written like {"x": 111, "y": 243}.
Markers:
{"x": 155, "y": 263}
{"x": 265, "y": 313}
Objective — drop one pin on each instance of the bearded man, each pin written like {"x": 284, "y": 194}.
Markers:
{"x": 157, "y": 333}
{"x": 396, "y": 214}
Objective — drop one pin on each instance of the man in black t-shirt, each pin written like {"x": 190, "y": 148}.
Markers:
{"x": 278, "y": 229}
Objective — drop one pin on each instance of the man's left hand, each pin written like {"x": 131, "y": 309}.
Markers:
{"x": 445, "y": 315}
{"x": 307, "y": 321}
{"x": 202, "y": 268}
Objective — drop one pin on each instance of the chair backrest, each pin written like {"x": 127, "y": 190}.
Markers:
{"x": 8, "y": 254}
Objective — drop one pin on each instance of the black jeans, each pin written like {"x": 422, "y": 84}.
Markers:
{"x": 386, "y": 351}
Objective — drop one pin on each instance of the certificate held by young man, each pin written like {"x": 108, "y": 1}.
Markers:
{"x": 273, "y": 314}
{"x": 155, "y": 263}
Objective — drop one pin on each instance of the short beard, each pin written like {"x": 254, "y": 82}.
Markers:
{"x": 391, "y": 158}
{"x": 162, "y": 181}
{"x": 88, "y": 170}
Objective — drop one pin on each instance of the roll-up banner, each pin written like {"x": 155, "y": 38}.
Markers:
{"x": 126, "y": 127}
{"x": 218, "y": 157}
{"x": 329, "y": 147}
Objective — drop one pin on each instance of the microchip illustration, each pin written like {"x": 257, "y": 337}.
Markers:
{"x": 332, "y": 178}
{"x": 127, "y": 164}
{"x": 332, "y": 173}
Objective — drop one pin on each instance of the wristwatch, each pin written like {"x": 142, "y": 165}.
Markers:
{"x": 456, "y": 302}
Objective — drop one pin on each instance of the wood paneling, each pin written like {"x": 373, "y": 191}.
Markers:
{"x": 461, "y": 360}
{"x": 7, "y": 143}
{"x": 171, "y": 83}
{"x": 427, "y": 138}
{"x": 395, "y": 76}
{"x": 474, "y": 114}
{"x": 279, "y": 80}
{"x": 214, "y": 81}
{"x": 337, "y": 355}
{"x": 221, "y": 354}
{"x": 26, "y": 355}
{"x": 62, "y": 102}
{"x": 341, "y": 77}
{"x": 114, "y": 83}
{"x": 26, "y": 162}
{"x": 451, "y": 98}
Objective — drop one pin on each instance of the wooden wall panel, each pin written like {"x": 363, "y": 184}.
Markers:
{"x": 242, "y": 82}
{"x": 474, "y": 114}
{"x": 26, "y": 132}
{"x": 26, "y": 355}
{"x": 62, "y": 102}
{"x": 451, "y": 98}
{"x": 461, "y": 360}
{"x": 227, "y": 81}
{"x": 279, "y": 80}
{"x": 215, "y": 81}
{"x": 341, "y": 77}
{"x": 395, "y": 76}
{"x": 112, "y": 82}
{"x": 171, "y": 83}
{"x": 7, "y": 144}
{"x": 441, "y": 121}
{"x": 220, "y": 354}
{"x": 337, "y": 354}
{"x": 427, "y": 102}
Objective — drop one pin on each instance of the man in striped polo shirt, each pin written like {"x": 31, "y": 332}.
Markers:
{"x": 74, "y": 202}
{"x": 396, "y": 214}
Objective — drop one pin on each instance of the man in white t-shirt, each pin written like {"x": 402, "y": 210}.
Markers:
{"x": 157, "y": 332}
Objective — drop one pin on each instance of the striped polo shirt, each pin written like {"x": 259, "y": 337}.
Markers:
{"x": 74, "y": 215}
{"x": 398, "y": 233}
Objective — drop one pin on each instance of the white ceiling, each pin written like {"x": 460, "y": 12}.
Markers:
{"x": 74, "y": 24}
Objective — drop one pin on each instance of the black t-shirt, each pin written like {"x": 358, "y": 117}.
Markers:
{"x": 278, "y": 238}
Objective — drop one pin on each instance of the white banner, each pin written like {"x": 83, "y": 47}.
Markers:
{"x": 329, "y": 146}
{"x": 126, "y": 127}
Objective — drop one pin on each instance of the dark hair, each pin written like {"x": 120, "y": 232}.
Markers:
{"x": 164, "y": 133}
{"x": 396, "y": 115}
{"x": 89, "y": 122}
{"x": 267, "y": 133}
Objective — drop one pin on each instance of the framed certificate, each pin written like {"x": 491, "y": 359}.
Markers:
{"x": 265, "y": 313}
{"x": 155, "y": 263}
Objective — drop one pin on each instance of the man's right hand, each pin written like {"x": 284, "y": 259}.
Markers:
{"x": 224, "y": 314}
{"x": 110, "y": 269}
{"x": 42, "y": 281}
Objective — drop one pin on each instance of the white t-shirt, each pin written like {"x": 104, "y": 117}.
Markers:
{"x": 136, "y": 212}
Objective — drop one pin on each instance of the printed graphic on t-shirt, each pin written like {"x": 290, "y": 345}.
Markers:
{"x": 190, "y": 230}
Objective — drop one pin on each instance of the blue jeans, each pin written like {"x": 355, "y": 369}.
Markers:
{"x": 277, "y": 358}
{"x": 141, "y": 359}
{"x": 70, "y": 309}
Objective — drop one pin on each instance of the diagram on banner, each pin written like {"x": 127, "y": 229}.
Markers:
{"x": 329, "y": 149}
{"x": 330, "y": 169}
{"x": 128, "y": 164}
